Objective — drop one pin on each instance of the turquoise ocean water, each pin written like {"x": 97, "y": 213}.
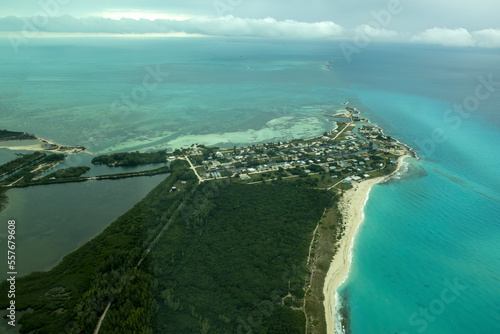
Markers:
{"x": 427, "y": 257}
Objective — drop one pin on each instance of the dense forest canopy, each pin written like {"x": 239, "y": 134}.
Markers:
{"x": 211, "y": 258}
{"x": 130, "y": 158}
{"x": 12, "y": 135}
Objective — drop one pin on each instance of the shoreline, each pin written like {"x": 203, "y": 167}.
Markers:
{"x": 40, "y": 147}
{"x": 351, "y": 206}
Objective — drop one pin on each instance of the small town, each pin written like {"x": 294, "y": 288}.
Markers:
{"x": 354, "y": 151}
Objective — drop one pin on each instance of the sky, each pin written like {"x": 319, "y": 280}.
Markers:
{"x": 470, "y": 23}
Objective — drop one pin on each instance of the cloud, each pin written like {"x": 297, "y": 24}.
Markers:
{"x": 446, "y": 37}
{"x": 487, "y": 38}
{"x": 379, "y": 34}
{"x": 231, "y": 26}
{"x": 221, "y": 26}
{"x": 268, "y": 27}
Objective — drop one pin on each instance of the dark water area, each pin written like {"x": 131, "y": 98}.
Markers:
{"x": 345, "y": 311}
{"x": 53, "y": 220}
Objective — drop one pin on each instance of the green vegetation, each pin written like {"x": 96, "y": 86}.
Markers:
{"x": 20, "y": 162}
{"x": 68, "y": 173}
{"x": 322, "y": 252}
{"x": 161, "y": 170}
{"x": 12, "y": 166}
{"x": 130, "y": 158}
{"x": 223, "y": 257}
{"x": 3, "y": 200}
{"x": 25, "y": 176}
{"x": 12, "y": 135}
{"x": 71, "y": 296}
{"x": 26, "y": 170}
{"x": 229, "y": 263}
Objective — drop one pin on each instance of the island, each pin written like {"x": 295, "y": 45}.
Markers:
{"x": 250, "y": 239}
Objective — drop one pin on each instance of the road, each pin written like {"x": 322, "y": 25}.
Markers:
{"x": 145, "y": 253}
{"x": 200, "y": 180}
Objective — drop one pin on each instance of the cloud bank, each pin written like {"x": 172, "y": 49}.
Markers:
{"x": 230, "y": 26}
{"x": 447, "y": 37}
{"x": 220, "y": 26}
{"x": 487, "y": 38}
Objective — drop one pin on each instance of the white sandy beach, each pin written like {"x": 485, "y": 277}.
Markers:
{"x": 39, "y": 144}
{"x": 351, "y": 206}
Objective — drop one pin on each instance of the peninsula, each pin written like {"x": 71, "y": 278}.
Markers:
{"x": 233, "y": 240}
{"x": 28, "y": 142}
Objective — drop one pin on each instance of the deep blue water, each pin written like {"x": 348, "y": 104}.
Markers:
{"x": 437, "y": 224}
